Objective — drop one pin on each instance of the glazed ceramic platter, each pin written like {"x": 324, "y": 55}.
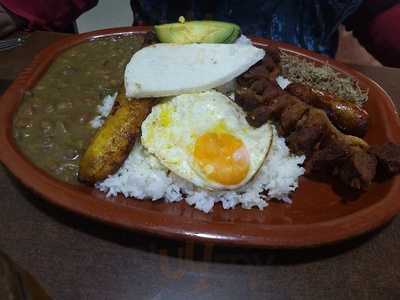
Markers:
{"x": 321, "y": 213}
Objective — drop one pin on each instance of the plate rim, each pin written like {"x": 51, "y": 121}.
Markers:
{"x": 255, "y": 235}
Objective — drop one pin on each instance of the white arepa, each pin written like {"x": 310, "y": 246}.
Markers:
{"x": 173, "y": 69}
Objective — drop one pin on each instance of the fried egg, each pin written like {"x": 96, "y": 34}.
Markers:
{"x": 205, "y": 139}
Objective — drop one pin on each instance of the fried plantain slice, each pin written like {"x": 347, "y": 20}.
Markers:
{"x": 113, "y": 141}
{"x": 120, "y": 100}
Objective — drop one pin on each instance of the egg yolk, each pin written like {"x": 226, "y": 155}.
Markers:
{"x": 222, "y": 157}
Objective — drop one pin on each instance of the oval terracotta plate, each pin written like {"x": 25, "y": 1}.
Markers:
{"x": 320, "y": 213}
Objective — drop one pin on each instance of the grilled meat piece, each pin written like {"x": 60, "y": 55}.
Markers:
{"x": 269, "y": 67}
{"x": 353, "y": 166}
{"x": 252, "y": 94}
{"x": 274, "y": 53}
{"x": 270, "y": 110}
{"x": 291, "y": 115}
{"x": 258, "y": 84}
{"x": 310, "y": 130}
{"x": 388, "y": 156}
{"x": 304, "y": 139}
{"x": 259, "y": 116}
{"x": 325, "y": 160}
{"x": 346, "y": 116}
{"x": 265, "y": 68}
{"x": 358, "y": 170}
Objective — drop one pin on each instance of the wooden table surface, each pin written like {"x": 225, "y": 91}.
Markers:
{"x": 76, "y": 258}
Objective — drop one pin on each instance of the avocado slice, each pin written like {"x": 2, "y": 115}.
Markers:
{"x": 233, "y": 37}
{"x": 197, "y": 32}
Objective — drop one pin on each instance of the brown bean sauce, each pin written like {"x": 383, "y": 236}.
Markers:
{"x": 52, "y": 125}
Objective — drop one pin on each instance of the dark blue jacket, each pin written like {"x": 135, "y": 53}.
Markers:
{"x": 310, "y": 24}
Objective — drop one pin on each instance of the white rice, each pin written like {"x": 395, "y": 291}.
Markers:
{"x": 282, "y": 82}
{"x": 104, "y": 110}
{"x": 142, "y": 176}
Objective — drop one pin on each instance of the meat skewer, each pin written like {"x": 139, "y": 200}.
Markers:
{"x": 345, "y": 115}
{"x": 310, "y": 131}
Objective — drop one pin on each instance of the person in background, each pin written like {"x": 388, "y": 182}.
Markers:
{"x": 51, "y": 15}
{"x": 376, "y": 25}
{"x": 310, "y": 24}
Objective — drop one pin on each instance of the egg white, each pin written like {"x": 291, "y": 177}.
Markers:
{"x": 172, "y": 128}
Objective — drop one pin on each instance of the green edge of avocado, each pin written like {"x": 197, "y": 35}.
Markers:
{"x": 198, "y": 32}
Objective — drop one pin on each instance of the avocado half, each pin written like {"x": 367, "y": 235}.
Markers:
{"x": 198, "y": 32}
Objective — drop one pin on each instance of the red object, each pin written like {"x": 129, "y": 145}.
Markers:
{"x": 48, "y": 15}
{"x": 385, "y": 37}
{"x": 319, "y": 213}
{"x": 378, "y": 32}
